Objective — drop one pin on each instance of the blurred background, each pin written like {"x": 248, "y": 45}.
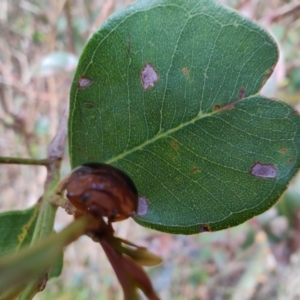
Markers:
{"x": 40, "y": 43}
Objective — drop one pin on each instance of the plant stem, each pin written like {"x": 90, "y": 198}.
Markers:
{"x": 45, "y": 221}
{"x": 24, "y": 161}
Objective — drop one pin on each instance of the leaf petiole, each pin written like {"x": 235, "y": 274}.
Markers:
{"x": 24, "y": 161}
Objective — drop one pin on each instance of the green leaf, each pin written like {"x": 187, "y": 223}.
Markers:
{"x": 289, "y": 205}
{"x": 16, "y": 228}
{"x": 167, "y": 91}
{"x": 57, "y": 267}
{"x": 20, "y": 268}
{"x": 16, "y": 231}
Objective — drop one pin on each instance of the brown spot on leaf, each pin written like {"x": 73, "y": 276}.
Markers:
{"x": 43, "y": 282}
{"x": 263, "y": 170}
{"x": 185, "y": 71}
{"x": 84, "y": 82}
{"x": 228, "y": 106}
{"x": 195, "y": 170}
{"x": 216, "y": 107}
{"x": 80, "y": 149}
{"x": 129, "y": 44}
{"x": 283, "y": 151}
{"x": 268, "y": 73}
{"x": 242, "y": 93}
{"x": 142, "y": 206}
{"x": 174, "y": 145}
{"x": 89, "y": 104}
{"x": 21, "y": 237}
{"x": 204, "y": 228}
{"x": 290, "y": 160}
{"x": 149, "y": 77}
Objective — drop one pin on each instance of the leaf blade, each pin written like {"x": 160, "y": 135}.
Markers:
{"x": 161, "y": 106}
{"x": 31, "y": 262}
{"x": 21, "y": 226}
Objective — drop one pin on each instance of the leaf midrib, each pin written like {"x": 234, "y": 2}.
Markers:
{"x": 159, "y": 136}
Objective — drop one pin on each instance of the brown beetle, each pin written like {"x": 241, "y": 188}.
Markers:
{"x": 101, "y": 190}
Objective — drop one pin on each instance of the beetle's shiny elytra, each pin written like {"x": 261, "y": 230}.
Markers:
{"x": 101, "y": 190}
